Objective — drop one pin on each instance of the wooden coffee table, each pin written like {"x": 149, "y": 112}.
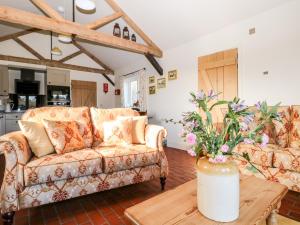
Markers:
{"x": 259, "y": 201}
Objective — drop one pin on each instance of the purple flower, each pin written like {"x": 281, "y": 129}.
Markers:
{"x": 249, "y": 119}
{"x": 244, "y": 126}
{"x": 191, "y": 138}
{"x": 237, "y": 107}
{"x": 248, "y": 141}
{"x": 212, "y": 95}
{"x": 191, "y": 152}
{"x": 258, "y": 105}
{"x": 218, "y": 159}
{"x": 264, "y": 140}
{"x": 224, "y": 148}
{"x": 200, "y": 95}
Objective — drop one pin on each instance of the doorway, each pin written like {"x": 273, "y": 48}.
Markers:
{"x": 84, "y": 93}
{"x": 219, "y": 72}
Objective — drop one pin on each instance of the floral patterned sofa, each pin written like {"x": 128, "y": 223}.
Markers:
{"x": 280, "y": 160}
{"x": 30, "y": 181}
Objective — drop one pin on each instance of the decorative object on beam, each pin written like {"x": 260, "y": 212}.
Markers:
{"x": 155, "y": 64}
{"x": 56, "y": 51}
{"x": 126, "y": 33}
{"x": 133, "y": 37}
{"x": 117, "y": 30}
{"x": 85, "y": 6}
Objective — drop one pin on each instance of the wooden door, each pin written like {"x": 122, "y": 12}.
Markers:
{"x": 84, "y": 93}
{"x": 219, "y": 72}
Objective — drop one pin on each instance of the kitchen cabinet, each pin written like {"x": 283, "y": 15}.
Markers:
{"x": 58, "y": 77}
{"x": 11, "y": 122}
{"x": 4, "y": 83}
{"x": 2, "y": 124}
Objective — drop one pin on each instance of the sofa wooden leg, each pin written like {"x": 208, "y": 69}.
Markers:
{"x": 8, "y": 218}
{"x": 163, "y": 183}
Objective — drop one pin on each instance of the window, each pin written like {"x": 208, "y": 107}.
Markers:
{"x": 130, "y": 91}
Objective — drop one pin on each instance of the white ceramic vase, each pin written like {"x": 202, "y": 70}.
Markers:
{"x": 218, "y": 190}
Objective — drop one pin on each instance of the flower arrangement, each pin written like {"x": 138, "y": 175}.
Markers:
{"x": 207, "y": 139}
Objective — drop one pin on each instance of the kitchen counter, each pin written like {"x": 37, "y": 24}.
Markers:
{"x": 15, "y": 111}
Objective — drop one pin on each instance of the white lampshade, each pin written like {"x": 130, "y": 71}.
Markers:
{"x": 87, "y": 5}
{"x": 56, "y": 51}
{"x": 65, "y": 38}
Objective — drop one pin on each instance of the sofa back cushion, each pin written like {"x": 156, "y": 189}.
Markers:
{"x": 283, "y": 128}
{"x": 79, "y": 114}
{"x": 295, "y": 127}
{"x": 99, "y": 116}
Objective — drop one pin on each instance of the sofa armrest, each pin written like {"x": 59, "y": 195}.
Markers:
{"x": 17, "y": 153}
{"x": 154, "y": 136}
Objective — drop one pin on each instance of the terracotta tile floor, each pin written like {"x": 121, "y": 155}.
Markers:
{"x": 108, "y": 207}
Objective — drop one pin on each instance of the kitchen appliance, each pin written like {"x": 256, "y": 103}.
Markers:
{"x": 2, "y": 124}
{"x": 58, "y": 95}
{"x": 2, "y": 105}
{"x": 9, "y": 107}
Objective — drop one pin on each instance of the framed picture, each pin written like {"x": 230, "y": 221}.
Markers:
{"x": 172, "y": 75}
{"x": 152, "y": 80}
{"x": 152, "y": 90}
{"x": 161, "y": 83}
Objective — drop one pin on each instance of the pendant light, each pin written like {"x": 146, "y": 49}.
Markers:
{"x": 85, "y": 5}
{"x": 56, "y": 51}
{"x": 65, "y": 38}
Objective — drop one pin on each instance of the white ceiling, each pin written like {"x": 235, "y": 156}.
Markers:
{"x": 169, "y": 23}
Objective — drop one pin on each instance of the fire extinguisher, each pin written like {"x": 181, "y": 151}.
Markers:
{"x": 105, "y": 87}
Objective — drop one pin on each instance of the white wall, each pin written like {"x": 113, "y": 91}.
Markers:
{"x": 275, "y": 48}
{"x": 41, "y": 43}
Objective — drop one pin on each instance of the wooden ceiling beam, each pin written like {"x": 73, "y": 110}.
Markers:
{"x": 18, "y": 34}
{"x": 70, "y": 56}
{"x": 155, "y": 64}
{"x": 47, "y": 9}
{"x": 21, "y": 17}
{"x": 103, "y": 21}
{"x": 28, "y": 48}
{"x": 51, "y": 63}
{"x": 93, "y": 57}
{"x": 132, "y": 24}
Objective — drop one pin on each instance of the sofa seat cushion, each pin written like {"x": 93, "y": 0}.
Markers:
{"x": 288, "y": 159}
{"x": 259, "y": 155}
{"x": 62, "y": 166}
{"x": 119, "y": 158}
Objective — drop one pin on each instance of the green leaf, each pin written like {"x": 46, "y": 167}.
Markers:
{"x": 222, "y": 102}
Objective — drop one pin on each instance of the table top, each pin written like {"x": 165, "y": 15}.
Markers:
{"x": 258, "y": 198}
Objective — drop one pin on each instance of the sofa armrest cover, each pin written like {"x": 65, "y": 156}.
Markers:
{"x": 17, "y": 153}
{"x": 154, "y": 136}
{"x": 287, "y": 159}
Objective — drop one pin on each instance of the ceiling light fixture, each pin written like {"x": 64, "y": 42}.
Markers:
{"x": 56, "y": 51}
{"x": 86, "y": 5}
{"x": 65, "y": 38}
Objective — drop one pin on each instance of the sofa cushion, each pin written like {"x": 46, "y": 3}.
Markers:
{"x": 259, "y": 155}
{"x": 79, "y": 114}
{"x": 295, "y": 127}
{"x": 59, "y": 167}
{"x": 99, "y": 116}
{"x": 119, "y": 158}
{"x": 288, "y": 159}
{"x": 64, "y": 135}
{"x": 117, "y": 132}
{"x": 283, "y": 128}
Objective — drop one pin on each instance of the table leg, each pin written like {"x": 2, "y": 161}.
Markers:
{"x": 272, "y": 218}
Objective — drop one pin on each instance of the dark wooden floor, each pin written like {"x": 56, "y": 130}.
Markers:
{"x": 107, "y": 207}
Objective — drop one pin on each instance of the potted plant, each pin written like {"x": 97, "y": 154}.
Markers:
{"x": 213, "y": 146}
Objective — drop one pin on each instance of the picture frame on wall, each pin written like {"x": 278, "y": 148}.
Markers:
{"x": 152, "y": 80}
{"x": 172, "y": 75}
{"x": 161, "y": 83}
{"x": 152, "y": 90}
